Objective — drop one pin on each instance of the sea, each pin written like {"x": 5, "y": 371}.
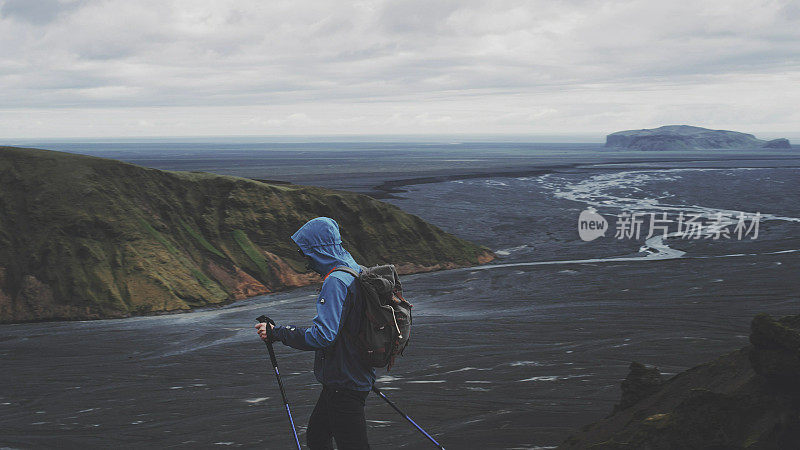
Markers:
{"x": 515, "y": 354}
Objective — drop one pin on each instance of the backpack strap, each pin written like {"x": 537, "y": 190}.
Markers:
{"x": 342, "y": 269}
{"x": 355, "y": 275}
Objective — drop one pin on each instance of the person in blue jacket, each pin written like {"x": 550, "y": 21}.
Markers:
{"x": 346, "y": 380}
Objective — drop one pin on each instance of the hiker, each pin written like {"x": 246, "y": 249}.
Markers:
{"x": 346, "y": 379}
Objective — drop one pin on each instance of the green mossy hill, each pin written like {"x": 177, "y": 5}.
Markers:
{"x": 84, "y": 237}
{"x": 747, "y": 399}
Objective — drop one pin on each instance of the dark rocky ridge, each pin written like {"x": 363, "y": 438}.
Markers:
{"x": 684, "y": 137}
{"x": 83, "y": 237}
{"x": 749, "y": 398}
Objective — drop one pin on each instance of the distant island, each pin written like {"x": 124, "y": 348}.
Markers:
{"x": 83, "y": 237}
{"x": 685, "y": 137}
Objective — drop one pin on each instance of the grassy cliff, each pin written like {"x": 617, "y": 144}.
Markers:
{"x": 84, "y": 237}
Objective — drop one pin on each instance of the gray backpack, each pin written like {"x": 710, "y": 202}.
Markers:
{"x": 385, "y": 322}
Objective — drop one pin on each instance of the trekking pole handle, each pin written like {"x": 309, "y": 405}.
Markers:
{"x": 268, "y": 341}
{"x": 265, "y": 319}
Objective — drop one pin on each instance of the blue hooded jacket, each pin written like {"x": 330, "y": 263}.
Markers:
{"x": 336, "y": 362}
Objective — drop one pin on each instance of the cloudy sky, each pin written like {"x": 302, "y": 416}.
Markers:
{"x": 92, "y": 68}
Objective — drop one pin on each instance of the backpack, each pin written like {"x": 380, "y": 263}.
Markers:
{"x": 385, "y": 322}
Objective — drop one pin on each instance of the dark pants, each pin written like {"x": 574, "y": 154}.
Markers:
{"x": 339, "y": 414}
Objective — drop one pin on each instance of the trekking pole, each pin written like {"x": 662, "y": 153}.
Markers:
{"x": 380, "y": 394}
{"x": 268, "y": 342}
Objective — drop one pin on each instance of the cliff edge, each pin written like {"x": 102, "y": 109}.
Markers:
{"x": 747, "y": 399}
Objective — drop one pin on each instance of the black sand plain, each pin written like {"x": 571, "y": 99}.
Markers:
{"x": 513, "y": 355}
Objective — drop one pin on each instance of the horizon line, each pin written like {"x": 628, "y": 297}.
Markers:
{"x": 559, "y": 137}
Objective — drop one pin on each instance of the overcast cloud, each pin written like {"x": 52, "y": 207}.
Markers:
{"x": 238, "y": 67}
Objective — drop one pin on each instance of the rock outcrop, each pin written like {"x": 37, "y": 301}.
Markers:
{"x": 641, "y": 382}
{"x": 83, "y": 237}
{"x": 747, "y": 399}
{"x": 776, "y": 349}
{"x": 685, "y": 137}
{"x": 778, "y": 143}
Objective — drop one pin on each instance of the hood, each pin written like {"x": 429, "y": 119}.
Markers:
{"x": 320, "y": 239}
